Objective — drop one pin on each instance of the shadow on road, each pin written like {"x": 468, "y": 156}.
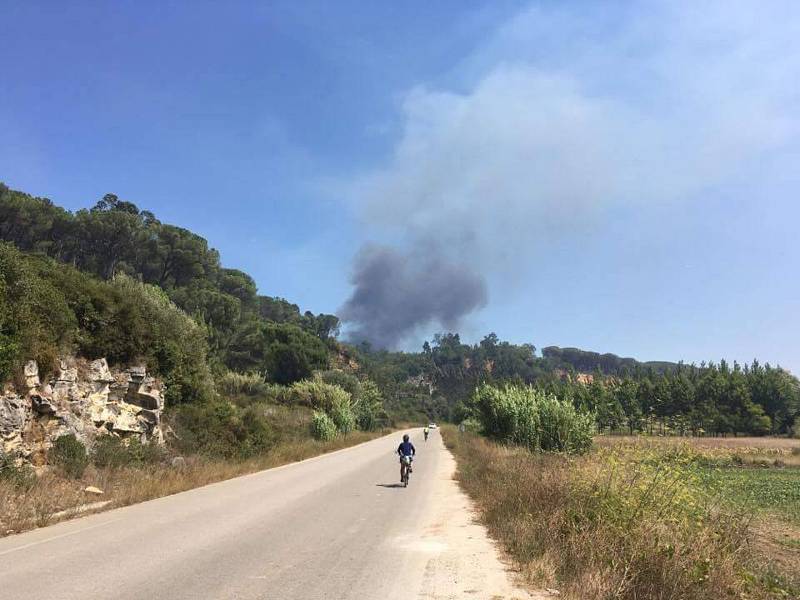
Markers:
{"x": 389, "y": 485}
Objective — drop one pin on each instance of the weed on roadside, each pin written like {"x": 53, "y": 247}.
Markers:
{"x": 620, "y": 522}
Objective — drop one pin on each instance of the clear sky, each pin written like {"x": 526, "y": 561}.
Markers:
{"x": 621, "y": 177}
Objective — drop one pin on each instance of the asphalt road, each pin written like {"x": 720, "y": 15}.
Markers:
{"x": 336, "y": 526}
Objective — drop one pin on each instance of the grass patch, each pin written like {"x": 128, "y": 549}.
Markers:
{"x": 626, "y": 521}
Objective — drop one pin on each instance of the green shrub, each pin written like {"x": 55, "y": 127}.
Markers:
{"x": 472, "y": 425}
{"x": 110, "y": 452}
{"x": 69, "y": 455}
{"x": 317, "y": 394}
{"x": 9, "y": 355}
{"x": 532, "y": 418}
{"x": 330, "y": 399}
{"x": 222, "y": 429}
{"x": 47, "y": 308}
{"x": 20, "y": 476}
{"x": 342, "y": 414}
{"x": 35, "y": 319}
{"x": 258, "y": 434}
{"x": 173, "y": 343}
{"x": 235, "y": 384}
{"x": 346, "y": 381}
{"x": 796, "y": 428}
{"x": 368, "y": 406}
{"x": 291, "y": 353}
{"x": 324, "y": 392}
{"x": 322, "y": 426}
{"x": 114, "y": 453}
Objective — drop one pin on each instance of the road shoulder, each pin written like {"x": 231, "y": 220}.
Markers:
{"x": 464, "y": 561}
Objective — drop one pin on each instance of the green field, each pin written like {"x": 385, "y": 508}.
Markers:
{"x": 764, "y": 490}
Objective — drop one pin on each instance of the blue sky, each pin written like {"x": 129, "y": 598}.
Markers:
{"x": 622, "y": 176}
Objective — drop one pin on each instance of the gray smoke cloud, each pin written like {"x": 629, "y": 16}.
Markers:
{"x": 398, "y": 292}
{"x": 554, "y": 133}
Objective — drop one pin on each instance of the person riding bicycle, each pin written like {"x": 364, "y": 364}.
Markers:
{"x": 425, "y": 431}
{"x": 406, "y": 451}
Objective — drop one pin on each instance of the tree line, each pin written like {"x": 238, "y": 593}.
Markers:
{"x": 623, "y": 394}
{"x": 713, "y": 398}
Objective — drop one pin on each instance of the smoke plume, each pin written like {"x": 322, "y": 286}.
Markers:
{"x": 396, "y": 293}
{"x": 555, "y": 132}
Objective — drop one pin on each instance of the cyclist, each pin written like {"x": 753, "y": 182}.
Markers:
{"x": 406, "y": 449}
{"x": 425, "y": 431}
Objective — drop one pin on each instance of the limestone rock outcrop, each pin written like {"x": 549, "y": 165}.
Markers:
{"x": 86, "y": 399}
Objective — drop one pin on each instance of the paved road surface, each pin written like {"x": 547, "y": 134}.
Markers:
{"x": 334, "y": 527}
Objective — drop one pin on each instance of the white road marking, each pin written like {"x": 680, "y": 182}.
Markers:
{"x": 56, "y": 537}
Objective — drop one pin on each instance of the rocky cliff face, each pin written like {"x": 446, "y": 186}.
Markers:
{"x": 86, "y": 399}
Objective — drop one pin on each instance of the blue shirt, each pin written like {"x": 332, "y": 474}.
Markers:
{"x": 406, "y": 449}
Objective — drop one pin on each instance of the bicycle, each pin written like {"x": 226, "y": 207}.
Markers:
{"x": 405, "y": 470}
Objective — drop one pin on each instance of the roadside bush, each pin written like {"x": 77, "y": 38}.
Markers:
{"x": 796, "y": 428}
{"x": 532, "y": 418}
{"x": 258, "y": 436}
{"x": 342, "y": 415}
{"x": 323, "y": 427}
{"x": 114, "y": 453}
{"x": 472, "y": 425}
{"x": 19, "y": 476}
{"x": 235, "y": 384}
{"x": 365, "y": 397}
{"x": 368, "y": 406}
{"x": 347, "y": 381}
{"x": 330, "y": 399}
{"x": 317, "y": 394}
{"x": 69, "y": 455}
{"x": 613, "y": 523}
{"x": 221, "y": 429}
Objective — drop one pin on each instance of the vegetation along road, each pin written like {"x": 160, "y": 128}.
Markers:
{"x": 336, "y": 526}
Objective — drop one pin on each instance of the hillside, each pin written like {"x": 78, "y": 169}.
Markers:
{"x": 115, "y": 240}
{"x": 585, "y": 361}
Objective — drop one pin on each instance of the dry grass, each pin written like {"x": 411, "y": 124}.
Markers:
{"x": 630, "y": 521}
{"x": 732, "y": 443}
{"x": 35, "y": 505}
{"x": 779, "y": 543}
{"x": 760, "y": 451}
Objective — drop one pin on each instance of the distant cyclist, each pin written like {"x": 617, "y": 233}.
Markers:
{"x": 426, "y": 432}
{"x": 406, "y": 451}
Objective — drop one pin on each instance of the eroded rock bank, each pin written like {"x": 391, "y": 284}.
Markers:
{"x": 86, "y": 399}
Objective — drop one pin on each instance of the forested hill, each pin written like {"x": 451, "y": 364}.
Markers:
{"x": 114, "y": 240}
{"x": 609, "y": 364}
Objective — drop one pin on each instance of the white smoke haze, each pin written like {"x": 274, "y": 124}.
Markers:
{"x": 564, "y": 124}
